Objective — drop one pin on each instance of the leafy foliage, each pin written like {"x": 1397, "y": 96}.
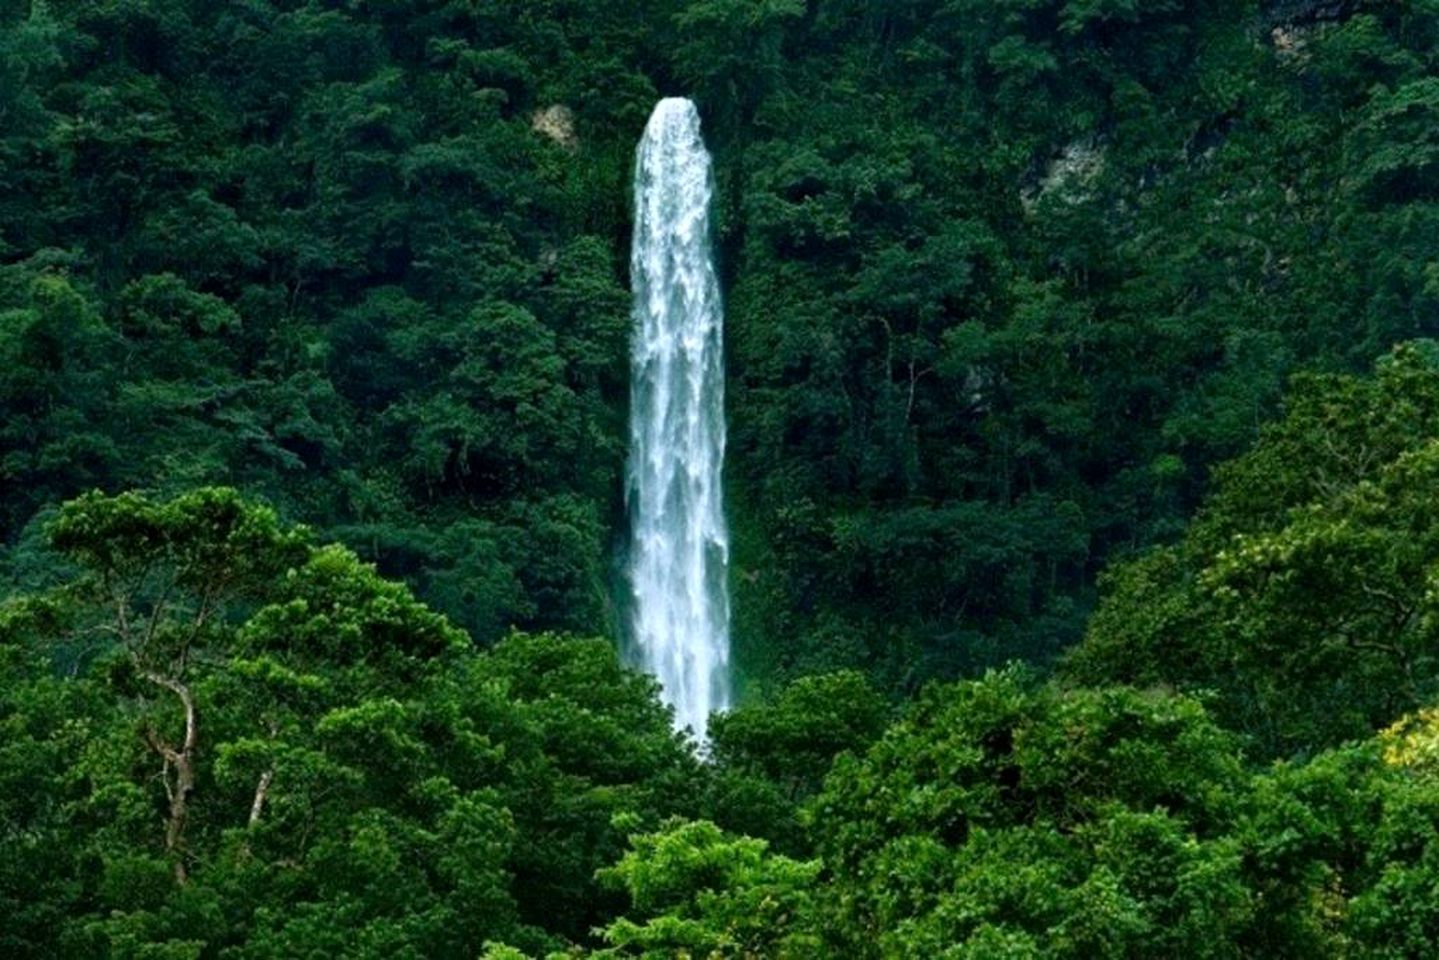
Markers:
{"x": 1011, "y": 289}
{"x": 999, "y": 817}
{"x": 1004, "y": 281}
{"x": 1303, "y": 592}
{"x": 339, "y": 769}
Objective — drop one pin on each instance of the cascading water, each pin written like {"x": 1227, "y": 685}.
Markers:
{"x": 679, "y": 547}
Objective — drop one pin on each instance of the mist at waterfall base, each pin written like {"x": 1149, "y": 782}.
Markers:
{"x": 679, "y": 547}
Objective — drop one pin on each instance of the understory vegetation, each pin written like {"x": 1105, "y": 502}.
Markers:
{"x": 1083, "y": 404}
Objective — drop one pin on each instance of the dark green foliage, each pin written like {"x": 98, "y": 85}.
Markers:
{"x": 1004, "y": 281}
{"x": 321, "y": 254}
{"x": 1010, "y": 278}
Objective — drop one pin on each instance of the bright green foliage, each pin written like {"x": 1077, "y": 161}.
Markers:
{"x": 221, "y": 740}
{"x": 704, "y": 893}
{"x": 771, "y": 756}
{"x": 1344, "y": 850}
{"x": 587, "y": 755}
{"x": 1303, "y": 594}
{"x": 1413, "y": 743}
{"x": 1001, "y": 819}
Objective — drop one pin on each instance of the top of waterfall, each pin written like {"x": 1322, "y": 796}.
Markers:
{"x": 674, "y": 111}
{"x": 675, "y": 103}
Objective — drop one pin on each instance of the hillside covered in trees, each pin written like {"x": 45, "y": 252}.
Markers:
{"x": 1083, "y": 409}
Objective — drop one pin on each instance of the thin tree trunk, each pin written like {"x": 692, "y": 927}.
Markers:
{"x": 262, "y": 790}
{"x": 180, "y": 773}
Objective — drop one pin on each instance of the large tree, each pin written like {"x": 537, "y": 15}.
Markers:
{"x": 261, "y": 745}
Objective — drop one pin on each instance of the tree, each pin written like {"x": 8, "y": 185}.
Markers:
{"x": 1341, "y": 848}
{"x": 265, "y": 676}
{"x": 1301, "y": 593}
{"x": 696, "y": 891}
{"x": 163, "y": 577}
{"x": 1000, "y": 818}
{"x": 733, "y": 52}
{"x": 769, "y": 757}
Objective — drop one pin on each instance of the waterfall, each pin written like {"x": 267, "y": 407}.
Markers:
{"x": 679, "y": 546}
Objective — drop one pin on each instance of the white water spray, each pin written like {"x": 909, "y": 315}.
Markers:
{"x": 679, "y": 547}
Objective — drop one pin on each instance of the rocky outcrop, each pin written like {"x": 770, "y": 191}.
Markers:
{"x": 558, "y": 123}
{"x": 1069, "y": 175}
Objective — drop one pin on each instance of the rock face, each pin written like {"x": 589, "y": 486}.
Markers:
{"x": 1291, "y": 23}
{"x": 1290, "y": 43}
{"x": 1069, "y": 175}
{"x": 558, "y": 123}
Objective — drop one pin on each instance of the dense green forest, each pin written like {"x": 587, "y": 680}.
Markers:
{"x": 1083, "y": 406}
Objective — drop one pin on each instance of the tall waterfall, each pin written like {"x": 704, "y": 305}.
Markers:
{"x": 679, "y": 547}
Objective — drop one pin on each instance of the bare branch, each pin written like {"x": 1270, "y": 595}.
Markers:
{"x": 262, "y": 790}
